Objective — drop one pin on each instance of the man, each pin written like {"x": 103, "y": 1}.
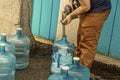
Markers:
{"x": 93, "y": 15}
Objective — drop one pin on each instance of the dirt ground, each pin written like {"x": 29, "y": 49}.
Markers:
{"x": 40, "y": 60}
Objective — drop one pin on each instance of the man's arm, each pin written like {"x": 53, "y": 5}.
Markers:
{"x": 84, "y": 7}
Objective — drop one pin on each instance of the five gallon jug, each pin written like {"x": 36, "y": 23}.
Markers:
{"x": 63, "y": 75}
{"x": 10, "y": 48}
{"x": 22, "y": 44}
{"x": 80, "y": 71}
{"x": 62, "y": 54}
{"x": 7, "y": 64}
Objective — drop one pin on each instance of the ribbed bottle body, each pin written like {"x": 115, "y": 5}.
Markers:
{"x": 7, "y": 65}
{"x": 62, "y": 54}
{"x": 22, "y": 44}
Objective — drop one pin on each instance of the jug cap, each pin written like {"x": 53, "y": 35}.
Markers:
{"x": 19, "y": 28}
{"x": 3, "y": 34}
{"x": 76, "y": 58}
{"x": 2, "y": 44}
{"x": 65, "y": 67}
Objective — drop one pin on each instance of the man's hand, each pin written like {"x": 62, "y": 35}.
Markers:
{"x": 67, "y": 20}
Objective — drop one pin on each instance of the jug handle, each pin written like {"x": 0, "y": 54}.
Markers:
{"x": 58, "y": 60}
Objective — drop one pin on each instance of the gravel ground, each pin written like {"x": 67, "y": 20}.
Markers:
{"x": 40, "y": 64}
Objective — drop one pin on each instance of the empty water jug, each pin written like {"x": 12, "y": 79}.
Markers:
{"x": 62, "y": 54}
{"x": 80, "y": 71}
{"x": 7, "y": 64}
{"x": 22, "y": 44}
{"x": 63, "y": 75}
{"x": 10, "y": 48}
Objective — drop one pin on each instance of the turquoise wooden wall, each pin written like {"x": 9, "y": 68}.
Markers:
{"x": 45, "y": 18}
{"x": 109, "y": 43}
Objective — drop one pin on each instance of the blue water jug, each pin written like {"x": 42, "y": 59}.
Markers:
{"x": 10, "y": 48}
{"x": 62, "y": 53}
{"x": 7, "y": 64}
{"x": 80, "y": 71}
{"x": 22, "y": 48}
{"x": 63, "y": 75}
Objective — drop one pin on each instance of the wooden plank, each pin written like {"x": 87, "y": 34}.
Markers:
{"x": 45, "y": 18}
{"x": 54, "y": 19}
{"x": 105, "y": 38}
{"x": 115, "y": 42}
{"x": 36, "y": 16}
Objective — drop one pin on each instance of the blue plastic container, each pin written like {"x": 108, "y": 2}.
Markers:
{"x": 63, "y": 75}
{"x": 22, "y": 49}
{"x": 62, "y": 54}
{"x": 10, "y": 48}
{"x": 7, "y": 64}
{"x": 79, "y": 71}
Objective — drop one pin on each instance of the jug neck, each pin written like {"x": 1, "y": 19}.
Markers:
{"x": 19, "y": 32}
{"x": 64, "y": 70}
{"x": 3, "y": 37}
{"x": 2, "y": 48}
{"x": 76, "y": 61}
{"x": 64, "y": 38}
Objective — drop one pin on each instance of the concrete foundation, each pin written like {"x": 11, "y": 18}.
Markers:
{"x": 9, "y": 15}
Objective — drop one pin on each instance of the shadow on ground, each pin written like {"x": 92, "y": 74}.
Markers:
{"x": 40, "y": 60}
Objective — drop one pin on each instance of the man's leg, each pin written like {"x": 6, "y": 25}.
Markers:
{"x": 88, "y": 35}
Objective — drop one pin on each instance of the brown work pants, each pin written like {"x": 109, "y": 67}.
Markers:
{"x": 88, "y": 34}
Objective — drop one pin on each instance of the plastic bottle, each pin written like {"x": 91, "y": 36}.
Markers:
{"x": 10, "y": 48}
{"x": 62, "y": 54}
{"x": 80, "y": 71}
{"x": 22, "y": 44}
{"x": 7, "y": 64}
{"x": 63, "y": 75}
